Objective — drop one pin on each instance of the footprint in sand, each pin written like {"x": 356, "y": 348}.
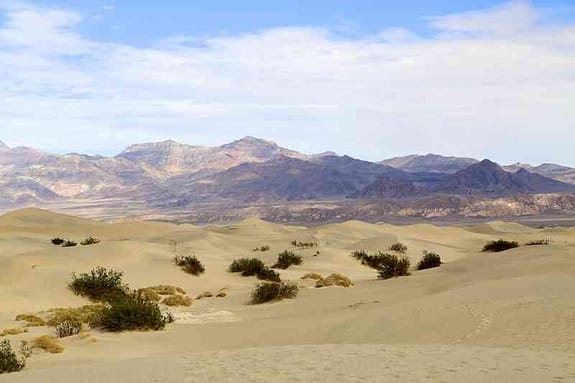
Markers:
{"x": 484, "y": 320}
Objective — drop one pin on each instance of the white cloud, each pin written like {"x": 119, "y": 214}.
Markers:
{"x": 489, "y": 83}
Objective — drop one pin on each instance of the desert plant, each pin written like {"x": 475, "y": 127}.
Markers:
{"x": 25, "y": 349}
{"x": 286, "y": 259}
{"x": 539, "y": 242}
{"x": 83, "y": 314}
{"x": 247, "y": 266}
{"x": 132, "y": 312}
{"x": 190, "y": 264}
{"x": 267, "y": 274}
{"x": 500, "y": 245}
{"x": 270, "y": 291}
{"x": 205, "y": 294}
{"x": 388, "y": 265}
{"x": 315, "y": 276}
{"x": 177, "y": 300}
{"x": 429, "y": 260}
{"x": 69, "y": 243}
{"x": 399, "y": 247}
{"x": 222, "y": 293}
{"x": 262, "y": 248}
{"x": 47, "y": 343}
{"x": 100, "y": 285}
{"x": 90, "y": 241}
{"x": 9, "y": 362}
{"x": 13, "y": 331}
{"x": 31, "y": 320}
{"x": 303, "y": 245}
{"x": 68, "y": 327}
{"x": 149, "y": 294}
{"x": 334, "y": 280}
{"x": 57, "y": 241}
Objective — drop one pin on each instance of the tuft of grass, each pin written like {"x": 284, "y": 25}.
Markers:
{"x": 177, "y": 300}
{"x": 315, "y": 276}
{"x": 500, "y": 245}
{"x": 539, "y": 242}
{"x": 286, "y": 259}
{"x": 398, "y": 247}
{"x": 13, "y": 331}
{"x": 190, "y": 264}
{"x": 9, "y": 362}
{"x": 90, "y": 241}
{"x": 334, "y": 280}
{"x": 274, "y": 291}
{"x": 165, "y": 289}
{"x": 68, "y": 327}
{"x": 100, "y": 285}
{"x": 84, "y": 314}
{"x": 48, "y": 343}
{"x": 149, "y": 294}
{"x": 31, "y": 320}
{"x": 429, "y": 260}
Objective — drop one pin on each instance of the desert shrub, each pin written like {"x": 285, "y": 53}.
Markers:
{"x": 177, "y": 300}
{"x": 334, "y": 280}
{"x": 429, "y": 260}
{"x": 267, "y": 274}
{"x": 286, "y": 259}
{"x": 222, "y": 293}
{"x": 399, "y": 247}
{"x": 13, "y": 331}
{"x": 9, "y": 362}
{"x": 149, "y": 294}
{"x": 262, "y": 248}
{"x": 68, "y": 327}
{"x": 31, "y": 320}
{"x": 84, "y": 314}
{"x": 25, "y": 349}
{"x": 47, "y": 343}
{"x": 69, "y": 243}
{"x": 271, "y": 291}
{"x": 132, "y": 312}
{"x": 205, "y": 294}
{"x": 190, "y": 264}
{"x": 539, "y": 242}
{"x": 100, "y": 285}
{"x": 315, "y": 276}
{"x": 166, "y": 289}
{"x": 303, "y": 245}
{"x": 247, "y": 266}
{"x": 388, "y": 265}
{"x": 57, "y": 241}
{"x": 90, "y": 241}
{"x": 500, "y": 245}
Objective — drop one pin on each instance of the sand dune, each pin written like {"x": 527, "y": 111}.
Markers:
{"x": 501, "y": 317}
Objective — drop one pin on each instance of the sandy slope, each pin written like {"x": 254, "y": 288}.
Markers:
{"x": 479, "y": 318}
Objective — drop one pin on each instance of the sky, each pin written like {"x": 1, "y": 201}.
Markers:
{"x": 369, "y": 78}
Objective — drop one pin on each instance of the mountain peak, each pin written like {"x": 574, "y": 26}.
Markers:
{"x": 252, "y": 142}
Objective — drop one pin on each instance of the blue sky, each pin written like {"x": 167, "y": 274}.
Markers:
{"x": 369, "y": 78}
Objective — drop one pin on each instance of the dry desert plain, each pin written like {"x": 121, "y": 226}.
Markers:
{"x": 480, "y": 317}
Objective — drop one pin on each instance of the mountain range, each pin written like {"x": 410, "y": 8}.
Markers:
{"x": 170, "y": 175}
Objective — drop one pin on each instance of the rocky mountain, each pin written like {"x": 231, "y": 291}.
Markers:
{"x": 432, "y": 163}
{"x": 557, "y": 172}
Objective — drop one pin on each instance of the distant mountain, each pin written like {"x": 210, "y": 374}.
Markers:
{"x": 557, "y": 172}
{"x": 432, "y": 163}
{"x": 486, "y": 178}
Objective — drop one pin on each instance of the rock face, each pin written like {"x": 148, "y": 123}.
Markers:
{"x": 430, "y": 163}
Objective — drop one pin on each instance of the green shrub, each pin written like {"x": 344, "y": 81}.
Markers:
{"x": 100, "y": 285}
{"x": 247, "y": 266}
{"x": 399, "y": 247}
{"x": 271, "y": 291}
{"x": 539, "y": 242}
{"x": 90, "y": 241}
{"x": 190, "y": 264}
{"x": 132, "y": 312}
{"x": 8, "y": 360}
{"x": 57, "y": 241}
{"x": 387, "y": 265}
{"x": 267, "y": 274}
{"x": 500, "y": 245}
{"x": 68, "y": 327}
{"x": 286, "y": 259}
{"x": 303, "y": 245}
{"x": 429, "y": 260}
{"x": 69, "y": 243}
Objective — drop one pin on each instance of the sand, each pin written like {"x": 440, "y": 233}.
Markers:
{"x": 505, "y": 317}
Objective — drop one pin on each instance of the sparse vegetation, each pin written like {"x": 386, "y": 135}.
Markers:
{"x": 90, "y": 241}
{"x": 205, "y": 294}
{"x": 500, "y": 245}
{"x": 132, "y": 312}
{"x": 253, "y": 266}
{"x": 272, "y": 291}
{"x": 57, "y": 241}
{"x": 68, "y": 327}
{"x": 286, "y": 259}
{"x": 13, "y": 331}
{"x": 177, "y": 300}
{"x": 303, "y": 245}
{"x": 398, "y": 247}
{"x": 334, "y": 280}
{"x": 69, "y": 243}
{"x": 31, "y": 320}
{"x": 314, "y": 276}
{"x": 262, "y": 248}
{"x": 48, "y": 343}
{"x": 388, "y": 265}
{"x": 84, "y": 314}
{"x": 539, "y": 242}
{"x": 429, "y": 260}
{"x": 100, "y": 285}
{"x": 222, "y": 293}
{"x": 9, "y": 362}
{"x": 190, "y": 264}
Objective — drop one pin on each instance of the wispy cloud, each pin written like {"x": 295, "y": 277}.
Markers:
{"x": 494, "y": 82}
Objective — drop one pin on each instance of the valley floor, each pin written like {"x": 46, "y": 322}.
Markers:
{"x": 480, "y": 317}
